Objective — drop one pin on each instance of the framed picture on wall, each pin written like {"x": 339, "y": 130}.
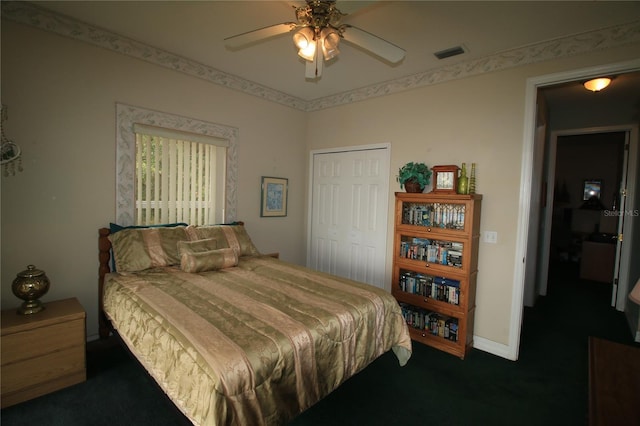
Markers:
{"x": 592, "y": 188}
{"x": 274, "y": 196}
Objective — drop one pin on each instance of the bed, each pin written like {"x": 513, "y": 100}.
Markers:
{"x": 233, "y": 336}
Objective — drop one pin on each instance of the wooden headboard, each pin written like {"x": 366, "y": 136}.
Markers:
{"x": 104, "y": 258}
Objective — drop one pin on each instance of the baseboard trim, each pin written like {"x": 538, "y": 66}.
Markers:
{"x": 494, "y": 348}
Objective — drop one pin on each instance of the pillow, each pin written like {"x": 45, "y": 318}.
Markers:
{"x": 211, "y": 260}
{"x": 197, "y": 246}
{"x": 114, "y": 227}
{"x": 234, "y": 236}
{"x": 136, "y": 249}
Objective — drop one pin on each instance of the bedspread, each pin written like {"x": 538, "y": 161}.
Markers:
{"x": 253, "y": 344}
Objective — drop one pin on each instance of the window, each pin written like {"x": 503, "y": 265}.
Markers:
{"x": 179, "y": 177}
{"x": 220, "y": 173}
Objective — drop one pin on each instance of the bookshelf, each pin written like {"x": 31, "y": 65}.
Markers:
{"x": 435, "y": 266}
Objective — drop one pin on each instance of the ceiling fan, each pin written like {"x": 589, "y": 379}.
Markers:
{"x": 318, "y": 33}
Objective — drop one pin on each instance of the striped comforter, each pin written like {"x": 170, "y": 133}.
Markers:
{"x": 254, "y": 344}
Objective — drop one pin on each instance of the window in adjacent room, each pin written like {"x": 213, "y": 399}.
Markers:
{"x": 188, "y": 169}
{"x": 179, "y": 177}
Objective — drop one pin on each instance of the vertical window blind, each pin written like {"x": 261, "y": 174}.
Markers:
{"x": 179, "y": 177}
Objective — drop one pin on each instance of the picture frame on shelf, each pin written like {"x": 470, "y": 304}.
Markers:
{"x": 274, "y": 192}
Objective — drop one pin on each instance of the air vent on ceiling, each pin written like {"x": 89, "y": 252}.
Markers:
{"x": 447, "y": 53}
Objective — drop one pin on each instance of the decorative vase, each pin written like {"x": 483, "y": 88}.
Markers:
{"x": 472, "y": 179}
{"x": 463, "y": 181}
{"x": 412, "y": 186}
{"x": 30, "y": 285}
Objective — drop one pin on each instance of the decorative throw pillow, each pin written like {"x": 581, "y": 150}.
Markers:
{"x": 136, "y": 249}
{"x": 211, "y": 260}
{"x": 114, "y": 227}
{"x": 234, "y": 236}
{"x": 197, "y": 246}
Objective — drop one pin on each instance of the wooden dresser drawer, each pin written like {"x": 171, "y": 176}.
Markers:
{"x": 42, "y": 352}
{"x": 33, "y": 371}
{"x": 43, "y": 340}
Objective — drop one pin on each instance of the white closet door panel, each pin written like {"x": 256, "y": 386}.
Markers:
{"x": 349, "y": 214}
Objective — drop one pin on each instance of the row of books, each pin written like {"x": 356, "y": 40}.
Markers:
{"x": 450, "y": 216}
{"x": 432, "y": 322}
{"x": 438, "y": 288}
{"x": 432, "y": 251}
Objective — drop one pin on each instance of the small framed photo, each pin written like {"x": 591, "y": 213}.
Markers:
{"x": 592, "y": 188}
{"x": 274, "y": 196}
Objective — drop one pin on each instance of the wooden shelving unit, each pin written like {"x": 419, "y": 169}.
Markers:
{"x": 435, "y": 267}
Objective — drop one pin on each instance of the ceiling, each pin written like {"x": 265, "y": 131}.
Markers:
{"x": 196, "y": 30}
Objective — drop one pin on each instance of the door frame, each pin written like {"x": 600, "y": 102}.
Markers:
{"x": 629, "y": 168}
{"x": 380, "y": 146}
{"x": 526, "y": 175}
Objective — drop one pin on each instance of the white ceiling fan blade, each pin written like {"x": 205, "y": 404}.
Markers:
{"x": 258, "y": 35}
{"x": 373, "y": 44}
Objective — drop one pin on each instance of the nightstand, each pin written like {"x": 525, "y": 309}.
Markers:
{"x": 42, "y": 352}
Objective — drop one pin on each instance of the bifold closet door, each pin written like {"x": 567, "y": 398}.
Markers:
{"x": 349, "y": 214}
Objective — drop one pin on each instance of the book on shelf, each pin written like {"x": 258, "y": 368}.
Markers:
{"x": 452, "y": 329}
{"x": 449, "y": 216}
{"x": 441, "y": 252}
{"x": 438, "y": 288}
{"x": 434, "y": 323}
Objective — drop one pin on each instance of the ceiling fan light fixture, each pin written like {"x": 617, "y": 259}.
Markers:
{"x": 329, "y": 53}
{"x": 318, "y": 33}
{"x": 330, "y": 39}
{"x": 597, "y": 84}
{"x": 308, "y": 52}
{"x": 304, "y": 39}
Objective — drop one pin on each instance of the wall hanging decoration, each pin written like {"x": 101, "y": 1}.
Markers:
{"x": 9, "y": 151}
{"x": 274, "y": 196}
{"x": 591, "y": 189}
{"x": 30, "y": 285}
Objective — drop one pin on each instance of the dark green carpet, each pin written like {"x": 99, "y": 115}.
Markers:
{"x": 548, "y": 385}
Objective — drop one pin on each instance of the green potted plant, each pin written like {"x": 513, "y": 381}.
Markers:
{"x": 414, "y": 176}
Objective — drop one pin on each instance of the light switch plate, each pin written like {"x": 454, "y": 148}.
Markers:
{"x": 490, "y": 237}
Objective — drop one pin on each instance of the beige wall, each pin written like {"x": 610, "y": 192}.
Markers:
{"x": 444, "y": 124}
{"x": 61, "y": 97}
{"x": 478, "y": 119}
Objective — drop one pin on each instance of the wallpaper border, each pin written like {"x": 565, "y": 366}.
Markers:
{"x": 38, "y": 17}
{"x": 30, "y": 14}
